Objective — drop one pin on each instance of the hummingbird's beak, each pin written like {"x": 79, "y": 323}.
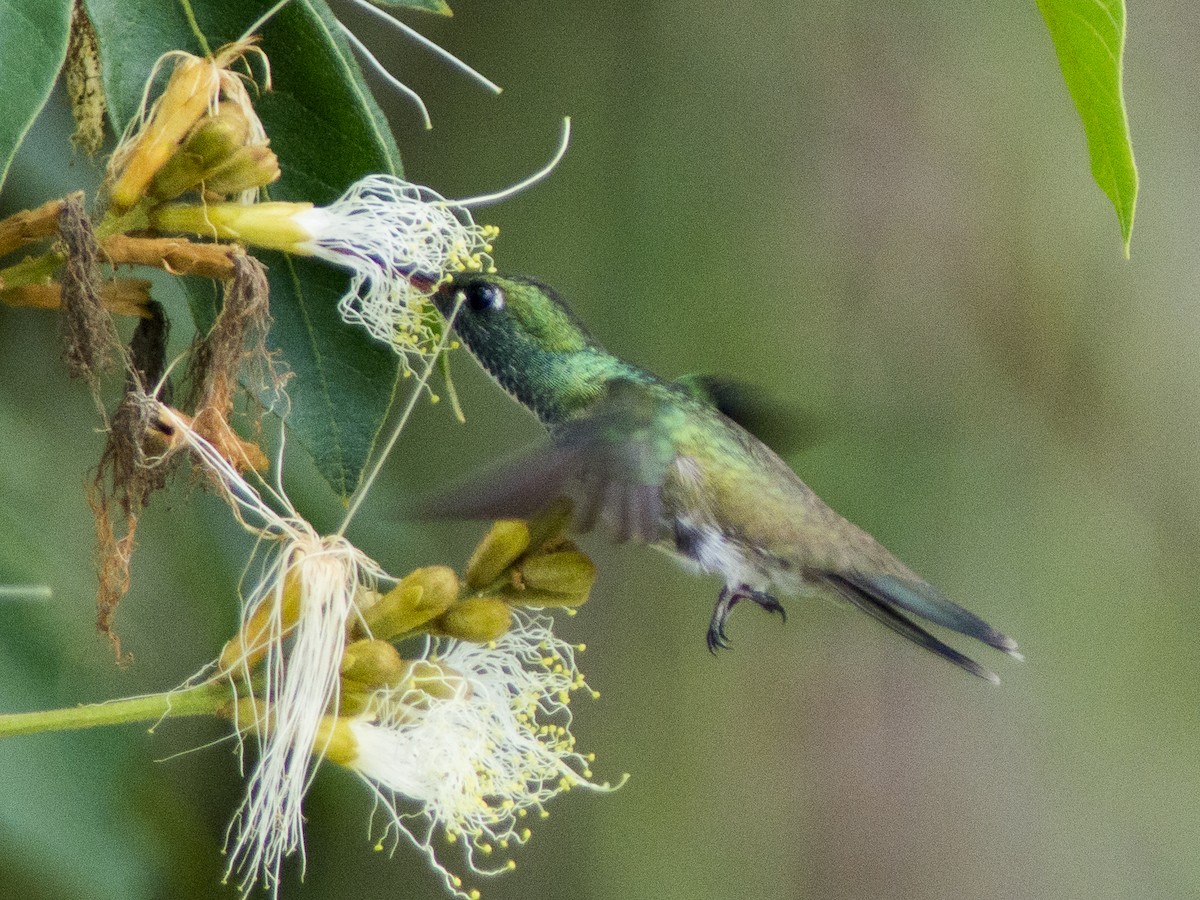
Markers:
{"x": 443, "y": 297}
{"x": 421, "y": 281}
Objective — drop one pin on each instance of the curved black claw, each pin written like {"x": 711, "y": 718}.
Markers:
{"x": 716, "y": 641}
{"x": 726, "y": 601}
{"x": 769, "y": 603}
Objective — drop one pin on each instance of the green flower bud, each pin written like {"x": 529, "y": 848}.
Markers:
{"x": 500, "y": 548}
{"x": 259, "y": 631}
{"x": 336, "y": 738}
{"x": 211, "y": 143}
{"x": 434, "y": 679}
{"x": 476, "y": 619}
{"x": 567, "y": 571}
{"x": 180, "y": 174}
{"x": 373, "y": 663}
{"x": 551, "y": 523}
{"x": 215, "y": 137}
{"x": 243, "y": 170}
{"x": 421, "y": 596}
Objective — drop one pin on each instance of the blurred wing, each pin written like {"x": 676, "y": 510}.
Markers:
{"x": 611, "y": 464}
{"x": 778, "y": 425}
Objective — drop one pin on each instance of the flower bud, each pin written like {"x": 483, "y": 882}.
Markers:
{"x": 435, "y": 679}
{"x": 216, "y": 136}
{"x": 246, "y": 169}
{"x": 337, "y": 739}
{"x": 373, "y": 663}
{"x": 212, "y": 141}
{"x": 476, "y": 619}
{"x": 566, "y": 572}
{"x": 188, "y": 93}
{"x": 258, "y": 632}
{"x": 500, "y": 548}
{"x": 420, "y": 596}
{"x": 550, "y": 523}
{"x": 181, "y": 173}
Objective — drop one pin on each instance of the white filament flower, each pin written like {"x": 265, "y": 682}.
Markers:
{"x": 293, "y": 635}
{"x": 473, "y": 759}
{"x": 398, "y": 240}
{"x": 300, "y": 686}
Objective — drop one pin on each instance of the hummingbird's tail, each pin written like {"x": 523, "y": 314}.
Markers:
{"x": 885, "y": 596}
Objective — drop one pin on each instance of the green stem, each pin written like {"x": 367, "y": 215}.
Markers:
{"x": 195, "y": 26}
{"x": 40, "y": 269}
{"x": 201, "y": 700}
{"x": 34, "y": 270}
{"x": 133, "y": 219}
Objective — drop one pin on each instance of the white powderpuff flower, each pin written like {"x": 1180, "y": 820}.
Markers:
{"x": 293, "y": 634}
{"x": 398, "y": 240}
{"x": 476, "y": 754}
{"x": 298, "y": 613}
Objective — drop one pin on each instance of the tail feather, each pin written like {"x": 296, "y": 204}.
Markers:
{"x": 929, "y": 603}
{"x": 883, "y": 598}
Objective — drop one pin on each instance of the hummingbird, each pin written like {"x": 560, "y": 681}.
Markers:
{"x": 674, "y": 464}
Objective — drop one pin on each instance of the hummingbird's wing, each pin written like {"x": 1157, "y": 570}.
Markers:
{"x": 611, "y": 464}
{"x": 775, "y": 423}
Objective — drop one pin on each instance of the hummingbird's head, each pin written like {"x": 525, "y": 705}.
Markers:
{"x": 504, "y": 318}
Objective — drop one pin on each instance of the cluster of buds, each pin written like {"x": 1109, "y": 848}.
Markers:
{"x": 217, "y": 158}
{"x": 201, "y": 137}
{"x": 517, "y": 564}
{"x": 201, "y": 134}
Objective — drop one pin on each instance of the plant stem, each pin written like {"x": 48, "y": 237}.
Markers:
{"x": 195, "y": 26}
{"x": 204, "y": 699}
{"x": 33, "y": 270}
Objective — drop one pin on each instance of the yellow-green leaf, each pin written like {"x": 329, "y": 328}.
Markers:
{"x": 1089, "y": 36}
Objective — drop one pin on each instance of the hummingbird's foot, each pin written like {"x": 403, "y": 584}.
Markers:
{"x": 726, "y": 601}
{"x": 767, "y": 602}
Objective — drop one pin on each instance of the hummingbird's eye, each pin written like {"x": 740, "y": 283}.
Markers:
{"x": 484, "y": 297}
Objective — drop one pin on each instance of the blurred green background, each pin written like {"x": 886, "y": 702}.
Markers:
{"x": 882, "y": 213}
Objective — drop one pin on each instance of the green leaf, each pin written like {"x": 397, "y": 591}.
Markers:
{"x": 33, "y": 44}
{"x": 434, "y": 6}
{"x": 1089, "y": 36}
{"x": 328, "y": 133}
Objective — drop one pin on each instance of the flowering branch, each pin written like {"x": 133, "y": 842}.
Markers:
{"x": 201, "y": 700}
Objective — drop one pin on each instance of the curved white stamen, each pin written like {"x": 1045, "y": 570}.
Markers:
{"x": 388, "y": 76}
{"x": 542, "y": 174}
{"x": 425, "y": 42}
